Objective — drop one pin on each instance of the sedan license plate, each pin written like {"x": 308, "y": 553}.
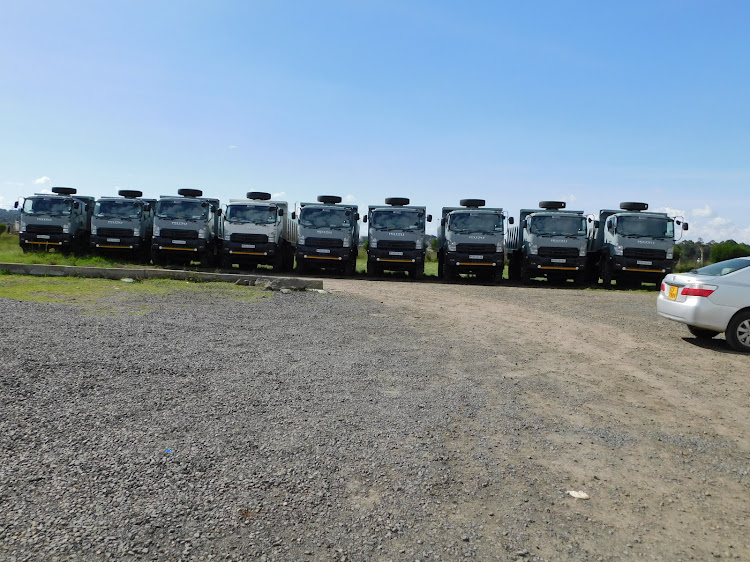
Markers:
{"x": 113, "y": 239}
{"x": 673, "y": 292}
{"x": 43, "y": 236}
{"x": 557, "y": 260}
{"x": 476, "y": 257}
{"x": 323, "y": 251}
{"x": 395, "y": 253}
{"x": 639, "y": 262}
{"x": 248, "y": 245}
{"x": 178, "y": 242}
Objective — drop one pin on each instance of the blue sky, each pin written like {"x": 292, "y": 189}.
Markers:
{"x": 590, "y": 102}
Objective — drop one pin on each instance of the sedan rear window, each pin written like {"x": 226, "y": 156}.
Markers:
{"x": 723, "y": 267}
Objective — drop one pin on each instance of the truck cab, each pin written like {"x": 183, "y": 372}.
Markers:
{"x": 632, "y": 245}
{"x": 396, "y": 237}
{"x": 123, "y": 224}
{"x": 326, "y": 235}
{"x": 548, "y": 242}
{"x": 186, "y": 228}
{"x": 255, "y": 232}
{"x": 471, "y": 240}
{"x": 59, "y": 220}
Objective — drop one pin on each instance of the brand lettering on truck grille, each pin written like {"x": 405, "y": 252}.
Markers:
{"x": 396, "y": 234}
{"x": 646, "y": 242}
{"x": 477, "y": 237}
{"x": 180, "y": 223}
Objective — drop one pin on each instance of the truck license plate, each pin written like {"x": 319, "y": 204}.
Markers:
{"x": 673, "y": 292}
{"x": 323, "y": 251}
{"x": 43, "y": 236}
{"x": 248, "y": 245}
{"x": 395, "y": 253}
{"x": 178, "y": 242}
{"x": 557, "y": 260}
{"x": 639, "y": 262}
{"x": 476, "y": 257}
{"x": 113, "y": 239}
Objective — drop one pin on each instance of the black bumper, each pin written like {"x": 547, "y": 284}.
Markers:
{"x": 32, "y": 240}
{"x": 250, "y": 252}
{"x": 475, "y": 262}
{"x": 323, "y": 256}
{"x": 126, "y": 243}
{"x": 395, "y": 259}
{"x": 167, "y": 245}
{"x": 638, "y": 267}
{"x": 555, "y": 265}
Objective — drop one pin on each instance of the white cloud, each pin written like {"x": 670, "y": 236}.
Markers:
{"x": 232, "y": 147}
{"x": 44, "y": 180}
{"x": 350, "y": 199}
{"x": 278, "y": 195}
{"x": 704, "y": 212}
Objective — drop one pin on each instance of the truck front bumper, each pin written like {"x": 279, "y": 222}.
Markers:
{"x": 168, "y": 245}
{"x": 474, "y": 263}
{"x": 249, "y": 252}
{"x": 555, "y": 265}
{"x": 395, "y": 260}
{"x": 31, "y": 240}
{"x": 324, "y": 255}
{"x": 126, "y": 243}
{"x": 641, "y": 267}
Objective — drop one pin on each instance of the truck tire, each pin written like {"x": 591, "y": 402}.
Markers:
{"x": 449, "y": 272}
{"x": 130, "y": 193}
{"x": 397, "y": 201}
{"x": 514, "y": 269}
{"x": 702, "y": 333}
{"x": 738, "y": 331}
{"x": 606, "y": 274}
{"x": 288, "y": 258}
{"x": 497, "y": 274}
{"x": 301, "y": 266}
{"x": 329, "y": 199}
{"x": 441, "y": 259}
{"x": 350, "y": 268}
{"x": 472, "y": 202}
{"x": 580, "y": 277}
{"x": 418, "y": 272}
{"x": 186, "y": 192}
{"x": 278, "y": 263}
{"x": 551, "y": 204}
{"x": 226, "y": 262}
{"x": 372, "y": 268}
{"x": 525, "y": 273}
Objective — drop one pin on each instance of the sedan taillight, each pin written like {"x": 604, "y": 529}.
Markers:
{"x": 698, "y": 290}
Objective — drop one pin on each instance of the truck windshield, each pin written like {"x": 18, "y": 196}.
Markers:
{"x": 256, "y": 214}
{"x": 397, "y": 219}
{"x": 47, "y": 206}
{"x": 125, "y": 208}
{"x": 645, "y": 227}
{"x": 489, "y": 223}
{"x": 574, "y": 225}
{"x": 325, "y": 217}
{"x": 191, "y": 209}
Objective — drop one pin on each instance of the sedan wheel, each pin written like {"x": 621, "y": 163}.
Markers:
{"x": 738, "y": 331}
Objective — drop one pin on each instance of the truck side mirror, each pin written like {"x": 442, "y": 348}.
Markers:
{"x": 684, "y": 226}
{"x": 596, "y": 224}
{"x": 15, "y": 205}
{"x": 442, "y": 222}
{"x": 76, "y": 205}
{"x": 147, "y": 207}
{"x": 219, "y": 212}
{"x": 356, "y": 216}
{"x": 511, "y": 220}
{"x": 364, "y": 219}
{"x": 429, "y": 218}
{"x": 281, "y": 212}
{"x": 294, "y": 215}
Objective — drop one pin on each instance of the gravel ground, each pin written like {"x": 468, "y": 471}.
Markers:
{"x": 384, "y": 421}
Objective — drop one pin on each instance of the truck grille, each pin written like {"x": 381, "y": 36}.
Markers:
{"x": 644, "y": 254}
{"x": 118, "y": 232}
{"x": 324, "y": 242}
{"x": 44, "y": 229}
{"x": 476, "y": 248}
{"x": 249, "y": 238}
{"x": 396, "y": 245}
{"x": 179, "y": 234}
{"x": 552, "y": 252}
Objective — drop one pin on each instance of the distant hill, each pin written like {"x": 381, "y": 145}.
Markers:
{"x": 8, "y": 215}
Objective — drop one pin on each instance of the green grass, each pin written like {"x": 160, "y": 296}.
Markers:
{"x": 108, "y": 296}
{"x": 10, "y": 252}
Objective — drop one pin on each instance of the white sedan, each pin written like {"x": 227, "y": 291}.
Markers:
{"x": 711, "y": 300}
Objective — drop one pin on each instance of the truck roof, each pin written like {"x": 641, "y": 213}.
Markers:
{"x": 561, "y": 211}
{"x": 339, "y": 205}
{"x": 391, "y": 207}
{"x": 609, "y": 212}
{"x": 257, "y": 202}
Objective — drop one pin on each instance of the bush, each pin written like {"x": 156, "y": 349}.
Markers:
{"x": 3, "y": 227}
{"x": 728, "y": 250}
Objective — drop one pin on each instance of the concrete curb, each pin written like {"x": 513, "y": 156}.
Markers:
{"x": 268, "y": 281}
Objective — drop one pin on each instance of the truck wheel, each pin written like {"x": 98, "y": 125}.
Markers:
{"x": 449, "y": 272}
{"x": 440, "y": 265}
{"x": 738, "y": 331}
{"x": 514, "y": 270}
{"x": 580, "y": 277}
{"x": 702, "y": 333}
{"x": 288, "y": 259}
{"x": 350, "y": 267}
{"x": 301, "y": 266}
{"x": 418, "y": 272}
{"x": 226, "y": 262}
{"x": 278, "y": 263}
{"x": 497, "y": 276}
{"x": 606, "y": 274}
{"x": 525, "y": 273}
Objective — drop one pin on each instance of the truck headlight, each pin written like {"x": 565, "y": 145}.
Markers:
{"x": 202, "y": 233}
{"x": 582, "y": 251}
{"x": 499, "y": 247}
{"x": 137, "y": 231}
{"x": 301, "y": 241}
{"x": 420, "y": 242}
{"x": 157, "y": 231}
{"x": 533, "y": 249}
{"x": 23, "y": 227}
{"x": 618, "y": 250}
{"x": 373, "y": 242}
{"x": 94, "y": 229}
{"x": 670, "y": 253}
{"x": 451, "y": 246}
{"x": 347, "y": 242}
{"x": 66, "y": 229}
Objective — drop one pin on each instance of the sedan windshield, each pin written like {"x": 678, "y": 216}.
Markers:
{"x": 325, "y": 217}
{"x": 125, "y": 208}
{"x": 256, "y": 214}
{"x": 47, "y": 206}
{"x": 645, "y": 227}
{"x": 573, "y": 225}
{"x": 181, "y": 209}
{"x": 723, "y": 267}
{"x": 397, "y": 219}
{"x": 489, "y": 223}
